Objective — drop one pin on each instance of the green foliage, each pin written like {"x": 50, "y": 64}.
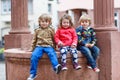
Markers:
{"x": 1, "y": 50}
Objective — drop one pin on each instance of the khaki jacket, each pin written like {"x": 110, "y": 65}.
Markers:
{"x": 43, "y": 37}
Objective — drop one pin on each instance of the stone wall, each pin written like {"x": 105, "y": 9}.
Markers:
{"x": 18, "y": 66}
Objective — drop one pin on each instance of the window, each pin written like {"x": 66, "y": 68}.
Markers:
{"x": 84, "y": 12}
{"x": 116, "y": 19}
{"x": 49, "y": 8}
{"x": 50, "y": 0}
{"x": 115, "y": 14}
{"x": 6, "y": 6}
{"x": 71, "y": 13}
{"x": 30, "y": 6}
{"x": 58, "y": 1}
{"x": 116, "y": 23}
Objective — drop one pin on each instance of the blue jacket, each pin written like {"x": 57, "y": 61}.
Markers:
{"x": 86, "y": 36}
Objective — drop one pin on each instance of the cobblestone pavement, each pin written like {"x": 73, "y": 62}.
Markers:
{"x": 2, "y": 70}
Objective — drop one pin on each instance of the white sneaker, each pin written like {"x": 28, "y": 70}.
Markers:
{"x": 89, "y": 67}
{"x": 32, "y": 77}
{"x": 76, "y": 66}
{"x": 96, "y": 69}
{"x": 64, "y": 68}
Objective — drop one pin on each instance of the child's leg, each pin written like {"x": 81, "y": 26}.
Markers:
{"x": 95, "y": 52}
{"x": 53, "y": 58}
{"x": 86, "y": 51}
{"x": 52, "y": 55}
{"x": 63, "y": 52}
{"x": 74, "y": 53}
{"x": 36, "y": 55}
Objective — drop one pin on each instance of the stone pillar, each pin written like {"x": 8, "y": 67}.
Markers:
{"x": 104, "y": 15}
{"x": 77, "y": 14}
{"x": 19, "y": 36}
{"x": 108, "y": 38}
{"x": 19, "y": 17}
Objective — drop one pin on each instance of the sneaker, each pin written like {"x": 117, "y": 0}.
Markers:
{"x": 76, "y": 66}
{"x": 58, "y": 69}
{"x": 89, "y": 67}
{"x": 32, "y": 77}
{"x": 96, "y": 69}
{"x": 64, "y": 66}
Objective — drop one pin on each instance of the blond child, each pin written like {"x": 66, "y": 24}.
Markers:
{"x": 87, "y": 42}
{"x": 43, "y": 42}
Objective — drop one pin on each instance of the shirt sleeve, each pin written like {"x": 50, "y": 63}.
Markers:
{"x": 57, "y": 37}
{"x": 81, "y": 40}
{"x": 75, "y": 38}
{"x": 34, "y": 40}
{"x": 93, "y": 36}
{"x": 53, "y": 33}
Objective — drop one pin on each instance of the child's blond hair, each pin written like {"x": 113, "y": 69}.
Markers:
{"x": 85, "y": 17}
{"x": 45, "y": 17}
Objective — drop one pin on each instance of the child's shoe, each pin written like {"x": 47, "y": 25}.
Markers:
{"x": 89, "y": 67}
{"x": 64, "y": 66}
{"x": 58, "y": 68}
{"x": 32, "y": 77}
{"x": 76, "y": 66}
{"x": 96, "y": 69}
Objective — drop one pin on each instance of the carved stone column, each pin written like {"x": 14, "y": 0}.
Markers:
{"x": 108, "y": 39}
{"x": 19, "y": 17}
{"x": 104, "y": 15}
{"x": 19, "y": 35}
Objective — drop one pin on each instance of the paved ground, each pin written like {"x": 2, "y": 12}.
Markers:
{"x": 2, "y": 70}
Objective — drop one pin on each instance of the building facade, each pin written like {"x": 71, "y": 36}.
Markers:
{"x": 87, "y": 8}
{"x": 35, "y": 9}
{"x": 52, "y": 7}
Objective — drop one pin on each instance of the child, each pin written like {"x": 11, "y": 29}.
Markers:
{"x": 87, "y": 41}
{"x": 66, "y": 39}
{"x": 43, "y": 43}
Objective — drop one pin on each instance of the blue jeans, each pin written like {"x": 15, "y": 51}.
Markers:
{"x": 91, "y": 54}
{"x": 38, "y": 53}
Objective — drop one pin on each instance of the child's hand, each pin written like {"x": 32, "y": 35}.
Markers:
{"x": 87, "y": 45}
{"x": 73, "y": 46}
{"x": 91, "y": 45}
{"x": 60, "y": 44}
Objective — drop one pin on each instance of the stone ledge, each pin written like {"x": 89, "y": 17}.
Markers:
{"x": 16, "y": 52}
{"x": 18, "y": 56}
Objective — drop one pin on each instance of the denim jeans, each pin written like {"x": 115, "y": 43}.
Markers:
{"x": 38, "y": 53}
{"x": 91, "y": 54}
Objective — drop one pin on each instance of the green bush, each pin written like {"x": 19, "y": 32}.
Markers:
{"x": 1, "y": 50}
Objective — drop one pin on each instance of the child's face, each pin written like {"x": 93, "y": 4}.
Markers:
{"x": 44, "y": 23}
{"x": 65, "y": 23}
{"x": 85, "y": 24}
